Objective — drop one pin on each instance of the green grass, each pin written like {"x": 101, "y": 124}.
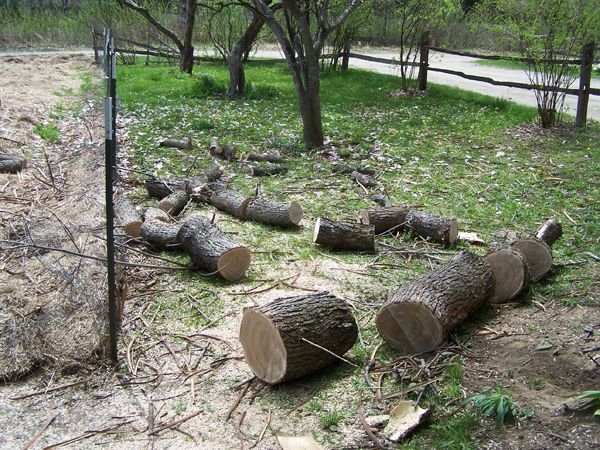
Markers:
{"x": 48, "y": 132}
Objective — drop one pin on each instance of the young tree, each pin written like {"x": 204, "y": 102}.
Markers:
{"x": 184, "y": 44}
{"x": 550, "y": 33}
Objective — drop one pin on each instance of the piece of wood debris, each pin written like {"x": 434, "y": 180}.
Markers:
{"x": 404, "y": 419}
{"x": 306, "y": 442}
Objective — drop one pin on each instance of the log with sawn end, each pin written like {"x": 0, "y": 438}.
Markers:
{"x": 392, "y": 218}
{"x": 160, "y": 234}
{"x": 550, "y": 231}
{"x": 344, "y": 235}
{"x": 174, "y": 203}
{"x": 127, "y": 217}
{"x": 429, "y": 226}
{"x": 225, "y": 199}
{"x": 184, "y": 144}
{"x": 536, "y": 251}
{"x": 285, "y": 215}
{"x": 511, "y": 274}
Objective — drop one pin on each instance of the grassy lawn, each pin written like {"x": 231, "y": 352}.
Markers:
{"x": 456, "y": 153}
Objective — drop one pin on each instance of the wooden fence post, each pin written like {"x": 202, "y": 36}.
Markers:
{"x": 585, "y": 78}
{"x": 423, "y": 60}
{"x": 345, "y": 54}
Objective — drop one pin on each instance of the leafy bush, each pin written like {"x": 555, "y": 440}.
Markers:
{"x": 494, "y": 403}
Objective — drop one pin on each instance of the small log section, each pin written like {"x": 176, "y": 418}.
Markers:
{"x": 511, "y": 274}
{"x": 174, "y": 203}
{"x": 162, "y": 188}
{"x": 11, "y": 163}
{"x": 211, "y": 250}
{"x": 536, "y": 251}
{"x": 265, "y": 171}
{"x": 226, "y": 152}
{"x": 184, "y": 144}
{"x": 344, "y": 235}
{"x": 345, "y": 170}
{"x": 285, "y": 215}
{"x": 127, "y": 217}
{"x": 384, "y": 219}
{"x": 435, "y": 228}
{"x": 272, "y": 157}
{"x": 160, "y": 234}
{"x": 362, "y": 179}
{"x": 418, "y": 316}
{"x": 274, "y": 336}
{"x": 225, "y": 199}
{"x": 550, "y": 231}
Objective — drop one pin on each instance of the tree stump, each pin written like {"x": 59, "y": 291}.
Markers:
{"x": 511, "y": 274}
{"x": 127, "y": 217}
{"x": 436, "y": 228}
{"x": 418, "y": 316}
{"x": 211, "y": 250}
{"x": 225, "y": 199}
{"x": 285, "y": 215}
{"x": 537, "y": 252}
{"x": 344, "y": 235}
{"x": 384, "y": 219}
{"x": 11, "y": 163}
{"x": 174, "y": 203}
{"x": 160, "y": 234}
{"x": 550, "y": 231}
{"x": 281, "y": 339}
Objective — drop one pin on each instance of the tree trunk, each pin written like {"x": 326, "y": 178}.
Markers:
{"x": 174, "y": 203}
{"x": 536, "y": 251}
{"x": 282, "y": 339}
{"x": 211, "y": 250}
{"x": 419, "y": 315}
{"x": 436, "y": 228}
{"x": 511, "y": 274}
{"x": 384, "y": 219}
{"x": 160, "y": 234}
{"x": 11, "y": 163}
{"x": 310, "y": 110}
{"x": 237, "y": 77}
{"x": 127, "y": 217}
{"x": 550, "y": 231}
{"x": 225, "y": 199}
{"x": 285, "y": 215}
{"x": 187, "y": 51}
{"x": 344, "y": 235}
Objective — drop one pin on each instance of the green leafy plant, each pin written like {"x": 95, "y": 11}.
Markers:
{"x": 594, "y": 395}
{"x": 330, "y": 419}
{"x": 495, "y": 403}
{"x": 49, "y": 132}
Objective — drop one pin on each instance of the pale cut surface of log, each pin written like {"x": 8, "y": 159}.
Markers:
{"x": 160, "y": 234}
{"x": 211, "y": 250}
{"x": 285, "y": 215}
{"x": 12, "y": 163}
{"x": 344, "y": 235}
{"x": 511, "y": 274}
{"x": 429, "y": 226}
{"x": 127, "y": 217}
{"x": 550, "y": 231}
{"x": 184, "y": 144}
{"x": 225, "y": 199}
{"x": 152, "y": 214}
{"x": 272, "y": 157}
{"x": 265, "y": 171}
{"x": 274, "y": 336}
{"x": 537, "y": 252}
{"x": 384, "y": 219}
{"x": 174, "y": 203}
{"x": 418, "y": 316}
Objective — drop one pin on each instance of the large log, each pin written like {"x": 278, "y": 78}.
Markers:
{"x": 418, "y": 316}
{"x": 511, "y": 274}
{"x": 272, "y": 157}
{"x": 285, "y": 215}
{"x": 429, "y": 226}
{"x": 177, "y": 143}
{"x": 550, "y": 231}
{"x": 211, "y": 250}
{"x": 127, "y": 217}
{"x": 12, "y": 163}
{"x": 174, "y": 203}
{"x": 537, "y": 252}
{"x": 384, "y": 219}
{"x": 226, "y": 199}
{"x": 344, "y": 235}
{"x": 160, "y": 234}
{"x": 284, "y": 340}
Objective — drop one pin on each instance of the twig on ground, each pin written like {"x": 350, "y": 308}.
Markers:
{"x": 264, "y": 430}
{"x": 367, "y": 428}
{"x": 47, "y": 391}
{"x": 237, "y": 401}
{"x": 175, "y": 423}
{"x": 39, "y": 433}
{"x": 330, "y": 352}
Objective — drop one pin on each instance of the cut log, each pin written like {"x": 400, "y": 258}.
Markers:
{"x": 384, "y": 219}
{"x": 511, "y": 274}
{"x": 152, "y": 213}
{"x": 258, "y": 171}
{"x": 537, "y": 252}
{"x": 160, "y": 234}
{"x": 226, "y": 152}
{"x": 429, "y": 226}
{"x": 364, "y": 180}
{"x": 174, "y": 203}
{"x": 211, "y": 250}
{"x": 12, "y": 163}
{"x": 184, "y": 144}
{"x": 418, "y": 316}
{"x": 161, "y": 188}
{"x": 272, "y": 157}
{"x": 550, "y": 231}
{"x": 285, "y": 215}
{"x": 284, "y": 340}
{"x": 213, "y": 173}
{"x": 127, "y": 217}
{"x": 225, "y": 199}
{"x": 344, "y": 235}
{"x": 349, "y": 169}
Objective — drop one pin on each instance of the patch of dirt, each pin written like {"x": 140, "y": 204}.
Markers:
{"x": 191, "y": 389}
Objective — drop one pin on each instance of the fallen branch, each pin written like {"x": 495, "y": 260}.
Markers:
{"x": 174, "y": 423}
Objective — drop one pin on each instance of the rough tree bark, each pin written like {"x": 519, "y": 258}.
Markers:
{"x": 225, "y": 199}
{"x": 429, "y": 226}
{"x": 344, "y": 235}
{"x": 284, "y": 340}
{"x": 264, "y": 171}
{"x": 160, "y": 234}
{"x": 285, "y": 215}
{"x": 11, "y": 163}
{"x": 384, "y": 219}
{"x": 174, "y": 203}
{"x": 418, "y": 316}
{"x": 127, "y": 217}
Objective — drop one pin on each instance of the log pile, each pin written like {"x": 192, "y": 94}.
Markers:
{"x": 294, "y": 336}
{"x": 127, "y": 217}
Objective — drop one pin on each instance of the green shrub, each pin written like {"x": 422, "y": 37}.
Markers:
{"x": 494, "y": 403}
